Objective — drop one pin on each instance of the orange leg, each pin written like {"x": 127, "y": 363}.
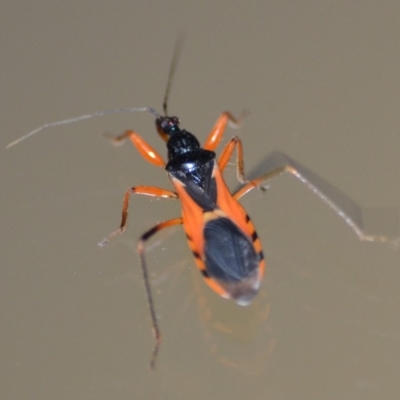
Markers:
{"x": 218, "y": 130}
{"x": 146, "y": 190}
{"x": 227, "y": 154}
{"x": 141, "y": 247}
{"x": 256, "y": 183}
{"x": 145, "y": 150}
{"x": 346, "y": 208}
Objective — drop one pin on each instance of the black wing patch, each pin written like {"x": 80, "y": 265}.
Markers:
{"x": 229, "y": 254}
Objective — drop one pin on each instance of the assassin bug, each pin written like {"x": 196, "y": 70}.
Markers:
{"x": 219, "y": 231}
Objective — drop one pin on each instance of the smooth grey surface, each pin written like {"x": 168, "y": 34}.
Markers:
{"x": 320, "y": 81}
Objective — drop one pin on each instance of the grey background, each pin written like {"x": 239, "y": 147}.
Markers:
{"x": 321, "y": 82}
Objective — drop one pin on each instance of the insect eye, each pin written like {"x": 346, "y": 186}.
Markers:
{"x": 174, "y": 121}
{"x": 169, "y": 125}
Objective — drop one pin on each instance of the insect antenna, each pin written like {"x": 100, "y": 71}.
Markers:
{"x": 174, "y": 62}
{"x": 82, "y": 118}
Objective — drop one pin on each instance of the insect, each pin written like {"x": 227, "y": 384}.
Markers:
{"x": 220, "y": 233}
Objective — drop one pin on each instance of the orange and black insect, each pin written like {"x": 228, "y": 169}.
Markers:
{"x": 220, "y": 233}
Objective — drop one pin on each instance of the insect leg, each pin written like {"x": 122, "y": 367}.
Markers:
{"x": 141, "y": 248}
{"x": 218, "y": 130}
{"x": 276, "y": 163}
{"x": 145, "y": 150}
{"x": 146, "y": 190}
{"x": 227, "y": 154}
